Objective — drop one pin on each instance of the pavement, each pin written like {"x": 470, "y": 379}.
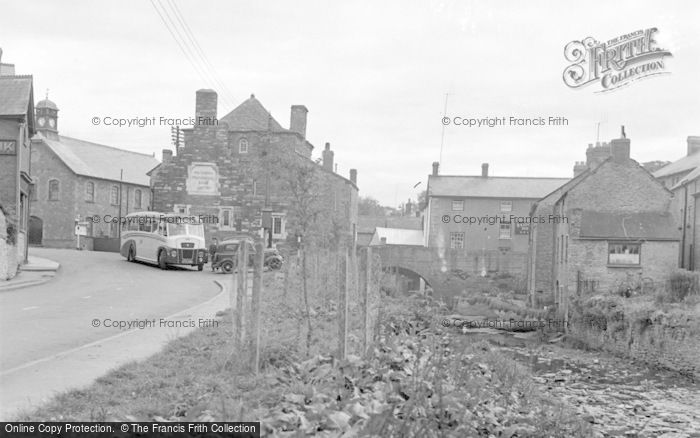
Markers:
{"x": 37, "y": 270}
{"x": 59, "y": 335}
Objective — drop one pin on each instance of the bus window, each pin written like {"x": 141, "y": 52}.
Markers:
{"x": 133, "y": 224}
{"x": 177, "y": 229}
{"x": 162, "y": 230}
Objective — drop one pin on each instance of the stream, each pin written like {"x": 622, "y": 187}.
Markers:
{"x": 616, "y": 395}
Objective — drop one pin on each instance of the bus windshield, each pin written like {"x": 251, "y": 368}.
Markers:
{"x": 186, "y": 229}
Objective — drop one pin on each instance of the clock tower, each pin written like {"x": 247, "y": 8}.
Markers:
{"x": 47, "y": 118}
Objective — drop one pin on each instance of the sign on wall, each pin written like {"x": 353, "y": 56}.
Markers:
{"x": 202, "y": 179}
{"x": 8, "y": 147}
{"x": 522, "y": 228}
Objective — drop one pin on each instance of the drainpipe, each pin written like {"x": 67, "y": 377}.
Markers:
{"x": 685, "y": 220}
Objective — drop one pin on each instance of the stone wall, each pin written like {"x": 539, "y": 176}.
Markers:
{"x": 669, "y": 339}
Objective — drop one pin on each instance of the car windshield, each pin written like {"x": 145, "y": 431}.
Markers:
{"x": 177, "y": 229}
{"x": 196, "y": 230}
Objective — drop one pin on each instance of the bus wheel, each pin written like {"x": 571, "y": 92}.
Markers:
{"x": 200, "y": 267}
{"x": 130, "y": 257}
{"x": 227, "y": 267}
{"x": 161, "y": 260}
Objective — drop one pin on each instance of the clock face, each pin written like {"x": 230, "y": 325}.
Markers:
{"x": 52, "y": 123}
{"x": 42, "y": 121}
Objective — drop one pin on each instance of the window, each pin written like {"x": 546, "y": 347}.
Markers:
{"x": 114, "y": 196}
{"x": 229, "y": 218}
{"x": 504, "y": 231}
{"x": 137, "y": 198}
{"x": 278, "y": 226}
{"x": 624, "y": 253}
{"x": 89, "y": 191}
{"x": 506, "y": 206}
{"x": 243, "y": 146}
{"x": 181, "y": 209}
{"x": 457, "y": 240}
{"x": 53, "y": 190}
{"x": 457, "y": 205}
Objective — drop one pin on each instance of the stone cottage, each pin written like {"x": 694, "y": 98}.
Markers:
{"x": 609, "y": 228}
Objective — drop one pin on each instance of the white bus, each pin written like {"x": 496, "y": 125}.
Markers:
{"x": 163, "y": 238}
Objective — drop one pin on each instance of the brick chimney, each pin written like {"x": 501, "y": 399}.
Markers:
{"x": 167, "y": 155}
{"x": 485, "y": 170}
{"x": 620, "y": 150}
{"x": 353, "y": 176}
{"x": 436, "y": 167}
{"x": 298, "y": 120}
{"x": 328, "y": 158}
{"x": 693, "y": 144}
{"x": 205, "y": 105}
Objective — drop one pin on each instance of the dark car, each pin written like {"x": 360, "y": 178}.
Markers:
{"x": 226, "y": 255}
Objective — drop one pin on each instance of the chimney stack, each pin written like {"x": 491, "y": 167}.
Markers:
{"x": 436, "y": 166}
{"x": 353, "y": 176}
{"x": 579, "y": 168}
{"x": 620, "y": 149}
{"x": 485, "y": 170}
{"x": 693, "y": 144}
{"x": 167, "y": 155}
{"x": 298, "y": 120}
{"x": 328, "y": 158}
{"x": 205, "y": 106}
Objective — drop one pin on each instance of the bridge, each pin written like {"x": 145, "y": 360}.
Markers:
{"x": 448, "y": 272}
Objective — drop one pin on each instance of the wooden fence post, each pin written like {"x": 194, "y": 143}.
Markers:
{"x": 255, "y": 306}
{"x": 242, "y": 294}
{"x": 343, "y": 305}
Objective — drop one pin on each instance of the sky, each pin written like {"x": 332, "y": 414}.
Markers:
{"x": 375, "y": 77}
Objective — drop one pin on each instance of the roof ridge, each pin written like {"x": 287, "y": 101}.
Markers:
{"x": 106, "y": 146}
{"x": 16, "y": 77}
{"x": 509, "y": 177}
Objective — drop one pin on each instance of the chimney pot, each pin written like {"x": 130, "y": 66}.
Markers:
{"x": 436, "y": 167}
{"x": 167, "y": 155}
{"x": 353, "y": 176}
{"x": 485, "y": 170}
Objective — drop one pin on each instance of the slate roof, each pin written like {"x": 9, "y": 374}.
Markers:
{"x": 367, "y": 224}
{"x": 251, "y": 116}
{"x": 684, "y": 164}
{"x": 15, "y": 95}
{"x": 397, "y": 236}
{"x": 492, "y": 186}
{"x": 99, "y": 161}
{"x": 628, "y": 226}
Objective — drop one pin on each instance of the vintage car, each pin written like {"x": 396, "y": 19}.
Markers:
{"x": 226, "y": 256}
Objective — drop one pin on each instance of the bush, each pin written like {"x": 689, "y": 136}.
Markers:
{"x": 11, "y": 238}
{"x": 681, "y": 285}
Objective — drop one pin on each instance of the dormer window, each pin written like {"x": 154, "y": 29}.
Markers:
{"x": 243, "y": 146}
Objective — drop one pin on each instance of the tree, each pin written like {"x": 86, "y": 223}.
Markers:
{"x": 368, "y": 206}
{"x": 422, "y": 200}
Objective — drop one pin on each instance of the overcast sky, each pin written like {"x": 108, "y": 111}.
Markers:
{"x": 373, "y": 75}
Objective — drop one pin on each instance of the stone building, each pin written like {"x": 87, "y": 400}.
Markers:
{"x": 615, "y": 230}
{"x": 483, "y": 219}
{"x": 16, "y": 130}
{"x": 229, "y": 173}
{"x": 682, "y": 177}
{"x": 76, "y": 180}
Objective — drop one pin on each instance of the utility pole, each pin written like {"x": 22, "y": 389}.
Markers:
{"x": 119, "y": 228}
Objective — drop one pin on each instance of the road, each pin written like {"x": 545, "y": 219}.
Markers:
{"x": 44, "y": 320}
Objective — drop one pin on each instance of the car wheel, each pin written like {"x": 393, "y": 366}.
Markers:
{"x": 227, "y": 267}
{"x": 275, "y": 264}
{"x": 162, "y": 264}
{"x": 200, "y": 267}
{"x": 131, "y": 256}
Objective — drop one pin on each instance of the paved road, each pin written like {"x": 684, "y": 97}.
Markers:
{"x": 47, "y": 319}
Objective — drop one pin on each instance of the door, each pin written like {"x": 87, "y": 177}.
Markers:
{"x": 36, "y": 230}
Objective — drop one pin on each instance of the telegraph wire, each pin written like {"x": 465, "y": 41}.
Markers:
{"x": 188, "y": 31}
